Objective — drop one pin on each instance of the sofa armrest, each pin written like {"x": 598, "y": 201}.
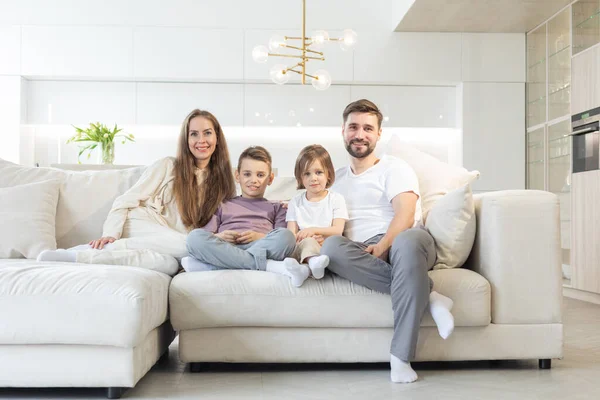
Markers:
{"x": 517, "y": 249}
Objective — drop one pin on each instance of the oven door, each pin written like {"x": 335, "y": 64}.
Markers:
{"x": 586, "y": 147}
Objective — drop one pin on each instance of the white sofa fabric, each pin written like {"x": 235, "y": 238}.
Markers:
{"x": 69, "y": 324}
{"x": 67, "y": 303}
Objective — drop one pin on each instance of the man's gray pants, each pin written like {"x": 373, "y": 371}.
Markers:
{"x": 209, "y": 249}
{"x": 404, "y": 277}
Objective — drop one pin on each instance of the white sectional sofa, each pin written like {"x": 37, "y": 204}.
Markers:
{"x": 105, "y": 326}
{"x": 78, "y": 325}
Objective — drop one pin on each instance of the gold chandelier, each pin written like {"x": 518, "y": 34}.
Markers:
{"x": 307, "y": 51}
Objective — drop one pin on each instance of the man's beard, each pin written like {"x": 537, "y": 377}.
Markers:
{"x": 368, "y": 149}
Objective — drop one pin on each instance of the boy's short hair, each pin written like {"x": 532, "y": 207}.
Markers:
{"x": 257, "y": 153}
{"x": 307, "y": 156}
{"x": 363, "y": 106}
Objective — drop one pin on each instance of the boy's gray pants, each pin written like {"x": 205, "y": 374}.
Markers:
{"x": 404, "y": 277}
{"x": 207, "y": 248}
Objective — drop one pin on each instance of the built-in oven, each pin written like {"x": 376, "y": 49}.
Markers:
{"x": 586, "y": 140}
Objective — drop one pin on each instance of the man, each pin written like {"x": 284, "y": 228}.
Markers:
{"x": 386, "y": 247}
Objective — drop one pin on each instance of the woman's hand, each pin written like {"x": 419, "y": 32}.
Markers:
{"x": 100, "y": 243}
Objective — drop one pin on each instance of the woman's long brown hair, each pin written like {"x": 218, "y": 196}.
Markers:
{"x": 197, "y": 209}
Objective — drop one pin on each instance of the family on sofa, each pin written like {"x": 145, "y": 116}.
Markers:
{"x": 375, "y": 203}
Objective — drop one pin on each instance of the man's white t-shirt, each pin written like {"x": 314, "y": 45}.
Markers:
{"x": 369, "y": 195}
{"x": 316, "y": 214}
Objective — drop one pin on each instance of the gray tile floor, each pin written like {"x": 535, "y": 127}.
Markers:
{"x": 577, "y": 376}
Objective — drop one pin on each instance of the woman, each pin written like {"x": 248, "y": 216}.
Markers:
{"x": 148, "y": 225}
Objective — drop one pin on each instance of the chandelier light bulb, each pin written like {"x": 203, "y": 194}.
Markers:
{"x": 260, "y": 54}
{"x": 348, "y": 39}
{"x": 319, "y": 38}
{"x": 279, "y": 75}
{"x": 322, "y": 80}
{"x": 276, "y": 42}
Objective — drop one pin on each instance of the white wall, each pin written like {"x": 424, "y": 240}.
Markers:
{"x": 143, "y": 64}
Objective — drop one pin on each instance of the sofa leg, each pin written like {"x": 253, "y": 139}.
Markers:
{"x": 114, "y": 392}
{"x": 195, "y": 367}
{"x": 545, "y": 363}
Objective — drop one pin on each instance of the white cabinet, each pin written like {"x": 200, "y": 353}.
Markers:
{"x": 586, "y": 81}
{"x": 550, "y": 87}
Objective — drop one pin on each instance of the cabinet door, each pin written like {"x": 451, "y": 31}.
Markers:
{"x": 559, "y": 65}
{"x": 585, "y": 232}
{"x": 536, "y": 76}
{"x": 536, "y": 164}
{"x": 586, "y": 24}
{"x": 586, "y": 81}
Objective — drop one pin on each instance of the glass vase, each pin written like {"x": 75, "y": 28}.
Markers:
{"x": 108, "y": 153}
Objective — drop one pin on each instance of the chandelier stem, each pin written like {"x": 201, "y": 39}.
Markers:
{"x": 304, "y": 42}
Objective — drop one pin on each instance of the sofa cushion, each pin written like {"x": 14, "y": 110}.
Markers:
{"x": 79, "y": 215}
{"x": 61, "y": 303}
{"x": 254, "y": 298}
{"x": 452, "y": 223}
{"x": 28, "y": 214}
{"x": 436, "y": 178}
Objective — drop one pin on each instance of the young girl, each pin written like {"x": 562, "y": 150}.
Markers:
{"x": 247, "y": 232}
{"x": 148, "y": 225}
{"x": 317, "y": 213}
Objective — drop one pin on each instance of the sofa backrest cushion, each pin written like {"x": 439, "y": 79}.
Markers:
{"x": 85, "y": 198}
{"x": 28, "y": 214}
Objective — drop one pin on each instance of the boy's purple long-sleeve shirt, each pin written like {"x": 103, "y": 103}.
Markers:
{"x": 241, "y": 214}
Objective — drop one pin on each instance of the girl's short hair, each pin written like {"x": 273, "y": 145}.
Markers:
{"x": 309, "y": 155}
{"x": 257, "y": 153}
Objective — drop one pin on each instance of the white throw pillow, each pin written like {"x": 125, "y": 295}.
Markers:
{"x": 436, "y": 178}
{"x": 28, "y": 215}
{"x": 85, "y": 197}
{"x": 453, "y": 224}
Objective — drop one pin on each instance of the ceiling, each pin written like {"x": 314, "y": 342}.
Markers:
{"x": 506, "y": 16}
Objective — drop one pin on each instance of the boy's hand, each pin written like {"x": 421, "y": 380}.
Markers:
{"x": 228, "y": 236}
{"x": 305, "y": 233}
{"x": 249, "y": 237}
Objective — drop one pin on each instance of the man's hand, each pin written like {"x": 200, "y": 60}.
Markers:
{"x": 228, "y": 236}
{"x": 249, "y": 237}
{"x": 100, "y": 243}
{"x": 305, "y": 233}
{"x": 377, "y": 249}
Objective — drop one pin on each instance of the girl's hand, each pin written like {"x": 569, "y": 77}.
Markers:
{"x": 319, "y": 238}
{"x": 305, "y": 233}
{"x": 100, "y": 243}
{"x": 228, "y": 236}
{"x": 249, "y": 237}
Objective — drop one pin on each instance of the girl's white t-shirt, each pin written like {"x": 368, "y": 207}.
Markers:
{"x": 316, "y": 214}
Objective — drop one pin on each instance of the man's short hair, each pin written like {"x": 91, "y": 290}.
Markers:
{"x": 363, "y": 106}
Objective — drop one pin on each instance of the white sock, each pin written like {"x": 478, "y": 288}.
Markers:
{"x": 297, "y": 272}
{"x": 58, "y": 255}
{"x": 440, "y": 306}
{"x": 317, "y": 265}
{"x": 190, "y": 264}
{"x": 401, "y": 372}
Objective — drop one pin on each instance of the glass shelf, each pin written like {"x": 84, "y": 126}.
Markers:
{"x": 558, "y": 52}
{"x": 586, "y": 24}
{"x": 537, "y": 100}
{"x": 538, "y": 64}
